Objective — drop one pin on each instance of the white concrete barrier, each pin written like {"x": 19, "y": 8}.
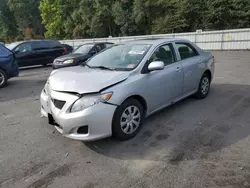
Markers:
{"x": 236, "y": 39}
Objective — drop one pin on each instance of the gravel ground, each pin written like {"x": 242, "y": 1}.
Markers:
{"x": 195, "y": 143}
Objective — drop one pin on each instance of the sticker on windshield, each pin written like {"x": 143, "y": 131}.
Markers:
{"x": 131, "y": 65}
{"x": 138, "y": 52}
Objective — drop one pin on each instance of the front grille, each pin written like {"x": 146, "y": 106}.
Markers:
{"x": 58, "y": 103}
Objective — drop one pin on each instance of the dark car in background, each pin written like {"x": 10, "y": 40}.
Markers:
{"x": 8, "y": 65}
{"x": 80, "y": 54}
{"x": 36, "y": 52}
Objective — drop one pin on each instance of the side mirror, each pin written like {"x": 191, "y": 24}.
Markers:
{"x": 17, "y": 52}
{"x": 156, "y": 65}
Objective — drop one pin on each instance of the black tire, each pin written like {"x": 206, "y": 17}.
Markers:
{"x": 201, "y": 94}
{"x": 5, "y": 78}
{"x": 118, "y": 133}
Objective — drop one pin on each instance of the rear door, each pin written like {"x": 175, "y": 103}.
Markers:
{"x": 42, "y": 51}
{"x": 56, "y": 49}
{"x": 190, "y": 60}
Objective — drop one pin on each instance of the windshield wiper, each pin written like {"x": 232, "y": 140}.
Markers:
{"x": 103, "y": 67}
{"x": 83, "y": 64}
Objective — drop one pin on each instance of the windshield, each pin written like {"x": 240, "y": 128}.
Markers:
{"x": 84, "y": 49}
{"x": 120, "y": 57}
{"x": 12, "y": 45}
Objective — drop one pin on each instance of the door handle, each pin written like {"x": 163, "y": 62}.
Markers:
{"x": 178, "y": 69}
{"x": 199, "y": 62}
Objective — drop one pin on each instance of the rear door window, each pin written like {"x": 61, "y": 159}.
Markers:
{"x": 186, "y": 50}
{"x": 40, "y": 45}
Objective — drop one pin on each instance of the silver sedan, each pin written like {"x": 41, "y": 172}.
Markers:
{"x": 116, "y": 89}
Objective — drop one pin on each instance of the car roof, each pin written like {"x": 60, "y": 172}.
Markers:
{"x": 155, "y": 41}
{"x": 39, "y": 40}
{"x": 94, "y": 43}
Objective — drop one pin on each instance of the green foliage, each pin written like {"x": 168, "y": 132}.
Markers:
{"x": 66, "y": 19}
{"x": 8, "y": 29}
{"x": 27, "y": 16}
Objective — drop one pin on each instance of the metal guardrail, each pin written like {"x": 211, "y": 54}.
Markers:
{"x": 236, "y": 39}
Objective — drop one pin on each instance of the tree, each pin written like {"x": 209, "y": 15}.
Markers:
{"x": 52, "y": 17}
{"x": 8, "y": 29}
{"x": 87, "y": 24}
{"x": 27, "y": 16}
{"x": 228, "y": 14}
{"x": 103, "y": 16}
{"x": 170, "y": 17}
{"x": 67, "y": 19}
{"x": 141, "y": 16}
{"x": 122, "y": 13}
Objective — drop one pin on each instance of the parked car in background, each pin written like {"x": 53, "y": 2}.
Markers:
{"x": 8, "y": 65}
{"x": 116, "y": 89}
{"x": 80, "y": 54}
{"x": 67, "y": 48}
{"x": 36, "y": 52}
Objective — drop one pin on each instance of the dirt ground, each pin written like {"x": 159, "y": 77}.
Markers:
{"x": 192, "y": 144}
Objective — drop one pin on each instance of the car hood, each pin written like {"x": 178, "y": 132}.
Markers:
{"x": 84, "y": 80}
{"x": 70, "y": 56}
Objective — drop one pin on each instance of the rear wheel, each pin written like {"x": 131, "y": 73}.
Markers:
{"x": 127, "y": 119}
{"x": 3, "y": 78}
{"x": 204, "y": 87}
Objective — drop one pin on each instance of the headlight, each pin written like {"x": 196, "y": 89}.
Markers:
{"x": 69, "y": 61}
{"x": 90, "y": 100}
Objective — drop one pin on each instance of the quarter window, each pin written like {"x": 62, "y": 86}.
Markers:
{"x": 55, "y": 45}
{"x": 186, "y": 50}
{"x": 164, "y": 53}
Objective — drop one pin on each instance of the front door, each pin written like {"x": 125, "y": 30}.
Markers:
{"x": 24, "y": 54}
{"x": 165, "y": 85}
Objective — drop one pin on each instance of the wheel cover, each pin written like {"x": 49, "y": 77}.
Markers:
{"x": 130, "y": 119}
{"x": 2, "y": 78}
{"x": 205, "y": 85}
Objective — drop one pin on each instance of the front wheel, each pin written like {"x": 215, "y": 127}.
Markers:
{"x": 3, "y": 78}
{"x": 127, "y": 119}
{"x": 204, "y": 87}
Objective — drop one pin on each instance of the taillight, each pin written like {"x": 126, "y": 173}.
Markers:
{"x": 65, "y": 49}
